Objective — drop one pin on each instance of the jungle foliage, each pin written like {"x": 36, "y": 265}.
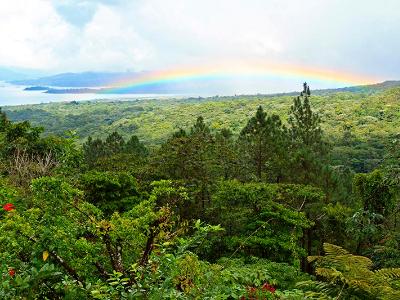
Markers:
{"x": 224, "y": 198}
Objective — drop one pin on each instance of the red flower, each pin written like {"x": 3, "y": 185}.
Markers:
{"x": 268, "y": 287}
{"x": 8, "y": 207}
{"x": 11, "y": 272}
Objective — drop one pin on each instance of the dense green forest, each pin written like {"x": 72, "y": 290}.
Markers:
{"x": 247, "y": 197}
{"x": 359, "y": 122}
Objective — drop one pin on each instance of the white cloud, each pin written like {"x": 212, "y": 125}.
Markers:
{"x": 209, "y": 29}
{"x": 34, "y": 35}
{"x": 29, "y": 32}
{"x": 109, "y": 42}
{"x": 358, "y": 35}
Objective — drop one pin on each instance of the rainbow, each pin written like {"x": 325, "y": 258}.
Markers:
{"x": 238, "y": 70}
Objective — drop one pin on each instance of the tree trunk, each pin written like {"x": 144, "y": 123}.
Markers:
{"x": 309, "y": 249}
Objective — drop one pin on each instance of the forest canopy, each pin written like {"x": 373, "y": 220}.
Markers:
{"x": 247, "y": 197}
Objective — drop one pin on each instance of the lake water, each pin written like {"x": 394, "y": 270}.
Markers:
{"x": 15, "y": 95}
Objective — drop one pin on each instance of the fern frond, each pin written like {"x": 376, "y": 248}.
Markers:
{"x": 318, "y": 288}
{"x": 361, "y": 285}
{"x": 387, "y": 273}
{"x": 334, "y": 250}
{"x": 330, "y": 274}
{"x": 311, "y": 259}
{"x": 351, "y": 277}
{"x": 317, "y": 296}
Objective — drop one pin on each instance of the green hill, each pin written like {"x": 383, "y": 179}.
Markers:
{"x": 371, "y": 120}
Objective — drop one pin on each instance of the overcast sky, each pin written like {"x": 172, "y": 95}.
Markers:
{"x": 357, "y": 36}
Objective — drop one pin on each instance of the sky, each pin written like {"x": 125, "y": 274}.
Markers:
{"x": 359, "y": 37}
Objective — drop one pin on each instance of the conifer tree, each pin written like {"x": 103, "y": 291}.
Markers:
{"x": 134, "y": 146}
{"x": 200, "y": 127}
{"x": 93, "y": 149}
{"x": 252, "y": 136}
{"x": 308, "y": 148}
{"x": 263, "y": 141}
{"x": 304, "y": 123}
{"x": 4, "y": 122}
{"x": 200, "y": 148}
{"x": 226, "y": 154}
{"x": 114, "y": 143}
{"x": 189, "y": 157}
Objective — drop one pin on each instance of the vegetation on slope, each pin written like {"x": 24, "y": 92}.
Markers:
{"x": 215, "y": 208}
{"x": 359, "y": 125}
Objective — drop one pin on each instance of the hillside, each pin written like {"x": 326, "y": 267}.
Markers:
{"x": 154, "y": 120}
{"x": 236, "y": 204}
{"x": 199, "y": 150}
{"x": 370, "y": 120}
{"x": 84, "y": 79}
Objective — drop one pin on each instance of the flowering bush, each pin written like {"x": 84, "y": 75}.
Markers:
{"x": 268, "y": 288}
{"x": 8, "y": 207}
{"x": 11, "y": 272}
{"x": 58, "y": 246}
{"x": 266, "y": 291}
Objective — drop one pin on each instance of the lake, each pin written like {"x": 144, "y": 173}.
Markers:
{"x": 15, "y": 95}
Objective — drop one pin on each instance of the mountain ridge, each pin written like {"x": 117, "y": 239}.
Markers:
{"x": 99, "y": 82}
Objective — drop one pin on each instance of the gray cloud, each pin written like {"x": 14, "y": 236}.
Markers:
{"x": 358, "y": 36}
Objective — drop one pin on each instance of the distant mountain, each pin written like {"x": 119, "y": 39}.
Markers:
{"x": 86, "y": 79}
{"x": 171, "y": 88}
{"x": 358, "y": 89}
{"x": 366, "y": 89}
{"x": 96, "y": 82}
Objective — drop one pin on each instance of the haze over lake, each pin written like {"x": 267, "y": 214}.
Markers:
{"x": 16, "y": 95}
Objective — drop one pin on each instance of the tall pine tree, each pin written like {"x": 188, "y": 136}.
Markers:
{"x": 263, "y": 143}
{"x": 308, "y": 148}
